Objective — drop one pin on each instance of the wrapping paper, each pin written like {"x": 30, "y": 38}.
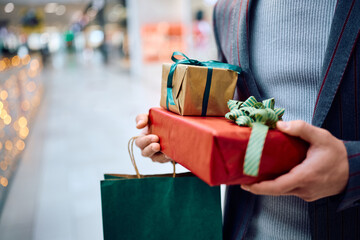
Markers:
{"x": 188, "y": 89}
{"x": 213, "y": 148}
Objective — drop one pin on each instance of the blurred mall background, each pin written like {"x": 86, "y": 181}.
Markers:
{"x": 73, "y": 76}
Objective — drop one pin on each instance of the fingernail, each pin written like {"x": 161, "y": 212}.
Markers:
{"x": 282, "y": 124}
{"x": 140, "y": 122}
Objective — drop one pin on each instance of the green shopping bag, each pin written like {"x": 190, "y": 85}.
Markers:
{"x": 159, "y": 207}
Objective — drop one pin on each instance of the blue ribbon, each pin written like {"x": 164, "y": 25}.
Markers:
{"x": 187, "y": 61}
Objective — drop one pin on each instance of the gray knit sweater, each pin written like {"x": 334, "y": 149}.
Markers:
{"x": 287, "y": 45}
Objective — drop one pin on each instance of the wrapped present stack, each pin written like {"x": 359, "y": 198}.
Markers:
{"x": 220, "y": 140}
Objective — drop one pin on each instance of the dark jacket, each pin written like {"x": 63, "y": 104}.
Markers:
{"x": 337, "y": 109}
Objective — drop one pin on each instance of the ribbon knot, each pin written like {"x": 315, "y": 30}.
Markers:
{"x": 260, "y": 116}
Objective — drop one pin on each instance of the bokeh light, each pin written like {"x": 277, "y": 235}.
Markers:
{"x": 8, "y": 145}
{"x": 4, "y": 181}
{"x": 23, "y": 132}
{"x": 20, "y": 145}
{"x": 15, "y": 60}
{"x": 4, "y": 94}
{"x": 9, "y": 7}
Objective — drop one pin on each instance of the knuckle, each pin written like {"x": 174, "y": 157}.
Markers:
{"x": 299, "y": 124}
{"x": 307, "y": 196}
{"x": 147, "y": 140}
{"x": 154, "y": 147}
{"x": 142, "y": 142}
{"x": 326, "y": 134}
{"x": 138, "y": 142}
{"x": 143, "y": 153}
{"x": 153, "y": 138}
{"x": 147, "y": 152}
{"x": 159, "y": 157}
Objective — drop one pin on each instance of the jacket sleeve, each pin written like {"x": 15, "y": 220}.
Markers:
{"x": 221, "y": 56}
{"x": 351, "y": 195}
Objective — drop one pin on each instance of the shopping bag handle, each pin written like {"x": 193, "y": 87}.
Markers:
{"x": 132, "y": 157}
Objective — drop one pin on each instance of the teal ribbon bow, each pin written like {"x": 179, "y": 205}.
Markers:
{"x": 260, "y": 116}
{"x": 209, "y": 64}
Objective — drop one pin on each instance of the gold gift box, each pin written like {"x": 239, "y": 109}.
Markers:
{"x": 188, "y": 87}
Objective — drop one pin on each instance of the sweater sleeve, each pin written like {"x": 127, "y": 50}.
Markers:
{"x": 351, "y": 195}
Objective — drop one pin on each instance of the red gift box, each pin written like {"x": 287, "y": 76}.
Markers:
{"x": 213, "y": 148}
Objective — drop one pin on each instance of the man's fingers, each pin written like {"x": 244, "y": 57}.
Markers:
{"x": 149, "y": 143}
{"x": 142, "y": 120}
{"x": 279, "y": 186}
{"x": 144, "y": 141}
{"x": 160, "y": 157}
{"x": 145, "y": 131}
{"x": 150, "y": 150}
{"x": 300, "y": 129}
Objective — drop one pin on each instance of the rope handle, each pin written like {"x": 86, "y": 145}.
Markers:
{"x": 132, "y": 157}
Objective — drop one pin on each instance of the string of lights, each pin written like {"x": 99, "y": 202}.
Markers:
{"x": 20, "y": 95}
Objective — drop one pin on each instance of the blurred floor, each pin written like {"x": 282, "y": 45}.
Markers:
{"x": 81, "y": 131}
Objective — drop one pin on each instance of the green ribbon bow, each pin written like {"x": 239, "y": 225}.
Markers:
{"x": 259, "y": 116}
{"x": 209, "y": 64}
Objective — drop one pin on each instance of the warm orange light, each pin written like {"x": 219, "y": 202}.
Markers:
{"x": 25, "y": 105}
{"x": 23, "y": 132}
{"x": 34, "y": 64}
{"x": 15, "y": 61}
{"x": 20, "y": 145}
{"x": 4, "y": 94}
{"x": 7, "y": 62}
{"x": 16, "y": 126}
{"x": 1, "y": 145}
{"x": 6, "y": 105}
{"x": 4, "y": 181}
{"x": 1, "y": 105}
{"x": 31, "y": 86}
{"x": 8, "y": 145}
{"x": 31, "y": 73}
{"x": 7, "y": 119}
{"x": 3, "y": 114}
{"x": 26, "y": 59}
{"x": 22, "y": 75}
{"x": 3, "y": 165}
{"x": 2, "y": 65}
{"x": 22, "y": 122}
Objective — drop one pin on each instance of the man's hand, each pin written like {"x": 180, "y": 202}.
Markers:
{"x": 149, "y": 143}
{"x": 324, "y": 172}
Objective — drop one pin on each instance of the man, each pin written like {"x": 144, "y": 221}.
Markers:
{"x": 305, "y": 54}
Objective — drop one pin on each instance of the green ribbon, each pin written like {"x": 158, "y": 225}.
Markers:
{"x": 187, "y": 61}
{"x": 260, "y": 116}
